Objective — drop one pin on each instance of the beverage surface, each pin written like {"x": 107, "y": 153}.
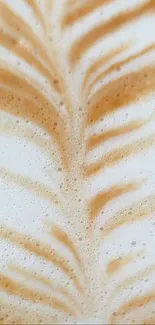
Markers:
{"x": 77, "y": 157}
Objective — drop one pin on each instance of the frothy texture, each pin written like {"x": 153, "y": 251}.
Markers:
{"x": 77, "y": 83}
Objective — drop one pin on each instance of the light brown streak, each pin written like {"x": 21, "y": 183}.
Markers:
{"x": 17, "y": 83}
{"x": 17, "y": 25}
{"x": 13, "y": 45}
{"x": 119, "y": 65}
{"x": 36, "y": 12}
{"x": 23, "y": 32}
{"x": 134, "y": 213}
{"x": 117, "y": 155}
{"x": 116, "y": 264}
{"x": 149, "y": 321}
{"x": 125, "y": 90}
{"x": 44, "y": 281}
{"x": 98, "y": 139}
{"x": 132, "y": 281}
{"x": 34, "y": 187}
{"x": 14, "y": 288}
{"x": 96, "y": 33}
{"x": 24, "y": 100}
{"x": 13, "y": 314}
{"x": 39, "y": 249}
{"x": 64, "y": 239}
{"x": 23, "y": 132}
{"x": 131, "y": 305}
{"x": 87, "y": 7}
{"x": 13, "y": 129}
{"x": 101, "y": 61}
{"x": 101, "y": 199}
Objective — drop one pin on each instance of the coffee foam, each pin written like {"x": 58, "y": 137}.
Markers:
{"x": 77, "y": 133}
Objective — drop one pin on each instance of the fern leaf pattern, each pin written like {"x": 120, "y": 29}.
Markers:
{"x": 77, "y": 149}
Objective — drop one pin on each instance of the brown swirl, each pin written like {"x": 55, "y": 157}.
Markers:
{"x": 96, "y": 140}
{"x": 112, "y": 25}
{"x": 26, "y": 44}
{"x": 126, "y": 89}
{"x": 131, "y": 305}
{"x": 101, "y": 61}
{"x": 12, "y": 314}
{"x": 19, "y": 27}
{"x": 63, "y": 238}
{"x": 12, "y": 44}
{"x": 116, "y": 264}
{"x": 25, "y": 101}
{"x": 55, "y": 289}
{"x": 13, "y": 287}
{"x": 131, "y": 281}
{"x": 135, "y": 212}
{"x": 118, "y": 65}
{"x": 42, "y": 250}
{"x": 24, "y": 131}
{"x": 32, "y": 4}
{"x": 118, "y": 155}
{"x": 79, "y": 12}
{"x": 39, "y": 190}
{"x": 101, "y": 199}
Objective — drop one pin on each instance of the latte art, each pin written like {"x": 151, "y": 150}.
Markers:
{"x": 77, "y": 149}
